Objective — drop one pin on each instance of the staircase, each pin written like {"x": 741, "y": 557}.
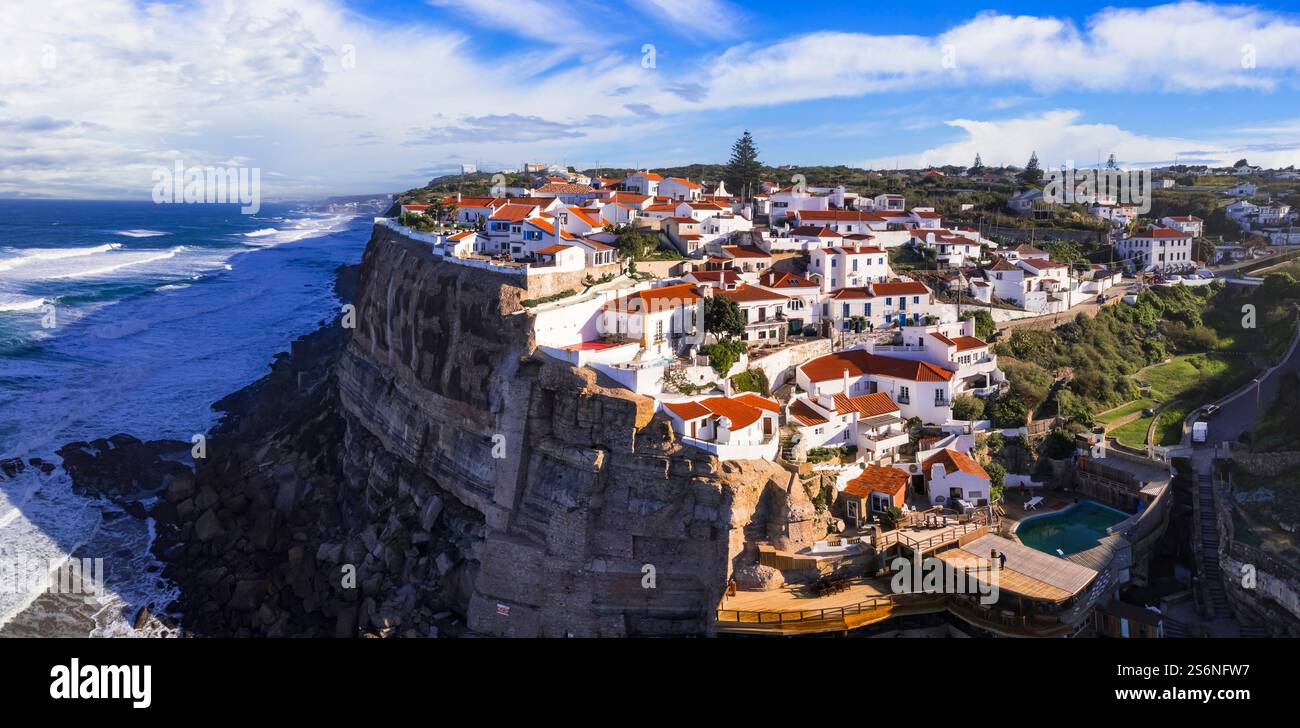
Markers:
{"x": 1207, "y": 537}
{"x": 1176, "y": 629}
{"x": 787, "y": 448}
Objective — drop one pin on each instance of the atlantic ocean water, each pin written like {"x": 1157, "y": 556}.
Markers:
{"x": 135, "y": 317}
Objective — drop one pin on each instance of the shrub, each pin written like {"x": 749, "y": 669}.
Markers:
{"x": 724, "y": 354}
{"x": 1008, "y": 412}
{"x": 750, "y": 380}
{"x": 967, "y": 407}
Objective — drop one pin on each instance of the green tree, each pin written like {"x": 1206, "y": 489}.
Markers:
{"x": 744, "y": 171}
{"x": 1009, "y": 412}
{"x": 724, "y": 354}
{"x": 1032, "y": 173}
{"x": 997, "y": 477}
{"x": 967, "y": 407}
{"x": 723, "y": 317}
{"x": 978, "y": 166}
{"x": 983, "y": 322}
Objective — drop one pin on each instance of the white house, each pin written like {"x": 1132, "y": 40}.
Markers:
{"x": 952, "y": 475}
{"x": 1118, "y": 215}
{"x": 1190, "y": 224}
{"x": 871, "y": 422}
{"x": 742, "y": 427}
{"x": 764, "y": 313}
{"x": 1156, "y": 249}
{"x": 782, "y": 203}
{"x": 679, "y": 189}
{"x": 954, "y": 250}
{"x": 663, "y": 320}
{"x": 881, "y": 305}
{"x": 919, "y": 388}
{"x": 845, "y": 267}
{"x": 642, "y": 183}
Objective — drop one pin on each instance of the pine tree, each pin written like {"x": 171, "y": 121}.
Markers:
{"x": 744, "y": 171}
{"x": 1032, "y": 173}
{"x": 1111, "y": 163}
{"x": 979, "y": 163}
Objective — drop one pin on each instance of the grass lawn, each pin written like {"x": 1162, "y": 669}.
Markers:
{"x": 1136, "y": 405}
{"x": 1211, "y": 376}
{"x": 1169, "y": 431}
{"x": 1134, "y": 434}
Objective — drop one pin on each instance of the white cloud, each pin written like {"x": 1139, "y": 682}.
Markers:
{"x": 1186, "y": 47}
{"x": 1062, "y": 137}
{"x": 708, "y": 18}
{"x": 96, "y": 93}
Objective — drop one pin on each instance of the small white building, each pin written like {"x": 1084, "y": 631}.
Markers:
{"x": 679, "y": 189}
{"x": 1156, "y": 249}
{"x": 951, "y": 475}
{"x": 1190, "y": 224}
{"x": 743, "y": 427}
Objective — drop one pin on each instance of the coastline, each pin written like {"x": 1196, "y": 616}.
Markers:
{"x": 53, "y": 614}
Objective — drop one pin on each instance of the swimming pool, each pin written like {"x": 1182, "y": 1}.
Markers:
{"x": 1077, "y": 528}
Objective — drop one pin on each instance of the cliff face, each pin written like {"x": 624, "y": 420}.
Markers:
{"x": 429, "y": 472}
{"x": 577, "y": 513}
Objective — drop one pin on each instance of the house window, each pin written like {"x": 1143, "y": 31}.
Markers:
{"x": 846, "y": 311}
{"x": 880, "y": 502}
{"x": 903, "y": 395}
{"x": 940, "y": 398}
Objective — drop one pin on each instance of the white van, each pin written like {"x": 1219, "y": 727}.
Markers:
{"x": 1199, "y": 431}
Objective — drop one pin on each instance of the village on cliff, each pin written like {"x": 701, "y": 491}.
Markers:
{"x": 850, "y": 336}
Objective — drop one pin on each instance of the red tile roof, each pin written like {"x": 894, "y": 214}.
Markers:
{"x": 513, "y": 213}
{"x": 742, "y": 410}
{"x": 877, "y": 479}
{"x": 656, "y": 299}
{"x": 899, "y": 288}
{"x": 866, "y": 405}
{"x": 751, "y": 294}
{"x": 802, "y": 411}
{"x": 745, "y": 251}
{"x": 954, "y": 461}
{"x": 859, "y": 362}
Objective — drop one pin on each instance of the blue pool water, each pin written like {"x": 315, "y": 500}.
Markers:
{"x": 1075, "y": 529}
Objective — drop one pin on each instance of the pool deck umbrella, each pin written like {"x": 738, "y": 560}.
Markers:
{"x": 1028, "y": 572}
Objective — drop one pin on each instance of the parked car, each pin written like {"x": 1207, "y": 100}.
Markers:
{"x": 1200, "y": 430}
{"x": 1209, "y": 411}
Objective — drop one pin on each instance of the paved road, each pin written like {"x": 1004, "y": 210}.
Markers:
{"x": 1238, "y": 415}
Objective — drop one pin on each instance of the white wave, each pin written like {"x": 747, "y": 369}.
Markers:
{"x": 141, "y": 233}
{"x": 10, "y": 302}
{"x": 133, "y": 259}
{"x": 40, "y": 255}
{"x": 297, "y": 229}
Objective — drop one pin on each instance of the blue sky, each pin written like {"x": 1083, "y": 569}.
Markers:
{"x": 334, "y": 96}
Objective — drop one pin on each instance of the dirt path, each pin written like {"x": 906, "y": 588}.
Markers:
{"x": 1052, "y": 320}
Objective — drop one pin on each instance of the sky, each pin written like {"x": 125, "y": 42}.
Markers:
{"x": 363, "y": 96}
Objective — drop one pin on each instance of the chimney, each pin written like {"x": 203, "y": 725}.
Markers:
{"x": 458, "y": 197}
{"x": 846, "y": 382}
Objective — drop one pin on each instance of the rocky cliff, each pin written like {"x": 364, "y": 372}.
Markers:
{"x": 431, "y": 472}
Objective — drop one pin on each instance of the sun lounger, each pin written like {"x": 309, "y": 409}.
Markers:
{"x": 1032, "y": 503}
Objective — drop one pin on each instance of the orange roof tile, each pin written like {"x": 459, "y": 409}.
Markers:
{"x": 860, "y": 362}
{"x": 877, "y": 479}
{"x": 802, "y": 411}
{"x": 954, "y": 461}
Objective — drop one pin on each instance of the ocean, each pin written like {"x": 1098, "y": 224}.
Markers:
{"x": 135, "y": 317}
